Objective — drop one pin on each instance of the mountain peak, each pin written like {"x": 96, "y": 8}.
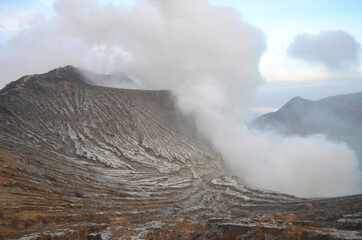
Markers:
{"x": 297, "y": 99}
{"x": 68, "y": 73}
{"x": 67, "y": 68}
{"x": 295, "y": 104}
{"x": 68, "y": 76}
{"x": 61, "y": 76}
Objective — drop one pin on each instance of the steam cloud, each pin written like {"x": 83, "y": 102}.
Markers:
{"x": 209, "y": 57}
{"x": 336, "y": 49}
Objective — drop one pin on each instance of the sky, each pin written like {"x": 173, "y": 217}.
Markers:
{"x": 287, "y": 76}
{"x": 288, "y": 27}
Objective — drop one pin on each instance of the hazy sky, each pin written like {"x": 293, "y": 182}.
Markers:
{"x": 324, "y": 29}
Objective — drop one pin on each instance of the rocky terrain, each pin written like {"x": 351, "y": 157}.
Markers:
{"x": 337, "y": 117}
{"x": 79, "y": 161}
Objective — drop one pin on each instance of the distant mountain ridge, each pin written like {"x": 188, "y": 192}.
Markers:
{"x": 336, "y": 116}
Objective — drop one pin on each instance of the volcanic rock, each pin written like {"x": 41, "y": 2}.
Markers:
{"x": 79, "y": 161}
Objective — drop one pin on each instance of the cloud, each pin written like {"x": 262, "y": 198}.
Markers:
{"x": 2, "y": 28}
{"x": 15, "y": 19}
{"x": 209, "y": 57}
{"x": 335, "y": 49}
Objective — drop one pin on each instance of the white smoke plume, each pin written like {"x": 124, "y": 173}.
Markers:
{"x": 208, "y": 56}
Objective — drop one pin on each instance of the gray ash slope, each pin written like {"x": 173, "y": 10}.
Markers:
{"x": 86, "y": 162}
{"x": 61, "y": 112}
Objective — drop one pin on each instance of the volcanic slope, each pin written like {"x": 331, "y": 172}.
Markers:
{"x": 79, "y": 161}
